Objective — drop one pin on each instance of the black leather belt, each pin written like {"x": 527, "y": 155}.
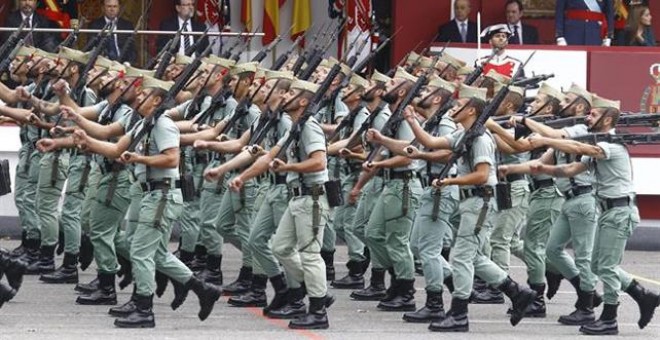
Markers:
{"x": 107, "y": 168}
{"x": 277, "y": 179}
{"x": 609, "y": 203}
{"x": 406, "y": 175}
{"x": 514, "y": 177}
{"x": 201, "y": 159}
{"x": 577, "y": 191}
{"x": 485, "y": 191}
{"x": 542, "y": 183}
{"x": 307, "y": 191}
{"x": 160, "y": 185}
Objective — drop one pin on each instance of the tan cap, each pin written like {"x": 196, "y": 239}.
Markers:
{"x": 550, "y": 91}
{"x": 279, "y": 75}
{"x": 182, "y": 59}
{"x": 74, "y": 55}
{"x": 402, "y": 74}
{"x": 117, "y": 67}
{"x": 377, "y": 76}
{"x": 345, "y": 69}
{"x": 103, "y": 62}
{"x": 492, "y": 74}
{"x": 425, "y": 62}
{"x": 261, "y": 73}
{"x": 601, "y": 102}
{"x": 579, "y": 91}
{"x": 304, "y": 86}
{"x": 153, "y": 83}
{"x": 138, "y": 73}
{"x": 44, "y": 54}
{"x": 465, "y": 70}
{"x": 452, "y": 61}
{"x": 442, "y": 84}
{"x": 412, "y": 57}
{"x": 359, "y": 81}
{"x": 26, "y": 51}
{"x": 470, "y": 92}
{"x": 244, "y": 67}
{"x": 215, "y": 60}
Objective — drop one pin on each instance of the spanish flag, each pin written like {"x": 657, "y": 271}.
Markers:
{"x": 246, "y": 14}
{"x": 271, "y": 23}
{"x": 302, "y": 18}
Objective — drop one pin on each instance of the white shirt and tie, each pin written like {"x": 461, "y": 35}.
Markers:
{"x": 186, "y": 40}
{"x": 462, "y": 29}
{"x": 516, "y": 30}
{"x": 114, "y": 36}
{"x": 28, "y": 40}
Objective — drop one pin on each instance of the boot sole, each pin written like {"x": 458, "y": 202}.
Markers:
{"x": 94, "y": 303}
{"x": 354, "y": 286}
{"x": 412, "y": 320}
{"x": 149, "y": 325}
{"x": 119, "y": 315}
{"x": 234, "y": 293}
{"x": 285, "y": 317}
{"x": 326, "y": 326}
{"x": 610, "y": 332}
{"x": 450, "y": 330}
{"x": 70, "y": 281}
{"x": 245, "y": 305}
{"x": 575, "y": 323}
{"x": 403, "y": 309}
{"x": 375, "y": 298}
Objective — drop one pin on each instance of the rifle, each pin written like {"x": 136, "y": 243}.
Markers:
{"x": 192, "y": 48}
{"x": 626, "y": 120}
{"x": 12, "y": 41}
{"x": 227, "y": 54}
{"x": 426, "y": 50}
{"x": 435, "y": 119}
{"x": 130, "y": 42}
{"x": 79, "y": 88}
{"x": 300, "y": 61}
{"x": 4, "y": 64}
{"x": 283, "y": 58}
{"x": 97, "y": 38}
{"x": 474, "y": 75}
{"x": 625, "y": 139}
{"x": 245, "y": 46}
{"x": 108, "y": 114}
{"x": 373, "y": 53}
{"x": 168, "y": 102}
{"x": 312, "y": 109}
{"x": 265, "y": 51}
{"x": 165, "y": 55}
{"x": 533, "y": 82}
{"x": 73, "y": 36}
{"x": 317, "y": 57}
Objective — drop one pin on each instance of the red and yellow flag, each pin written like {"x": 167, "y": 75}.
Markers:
{"x": 301, "y": 19}
{"x": 271, "y": 24}
{"x": 246, "y": 14}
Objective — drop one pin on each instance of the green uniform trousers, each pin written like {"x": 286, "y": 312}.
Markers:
{"x": 614, "y": 228}
{"x": 123, "y": 245}
{"x": 108, "y": 211}
{"x": 468, "y": 257}
{"x": 365, "y": 205}
{"x": 189, "y": 221}
{"x": 344, "y": 217}
{"x": 158, "y": 211}
{"x": 508, "y": 223}
{"x": 90, "y": 195}
{"x": 264, "y": 226}
{"x": 388, "y": 231}
{"x": 74, "y": 196}
{"x": 297, "y": 244}
{"x": 25, "y": 189}
{"x": 53, "y": 169}
{"x": 234, "y": 219}
{"x": 209, "y": 204}
{"x": 544, "y": 208}
{"x": 427, "y": 238}
{"x": 575, "y": 224}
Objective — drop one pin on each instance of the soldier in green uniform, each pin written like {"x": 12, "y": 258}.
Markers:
{"x": 391, "y": 221}
{"x": 577, "y": 221}
{"x": 156, "y": 170}
{"x": 545, "y": 201}
{"x": 476, "y": 176}
{"x": 270, "y": 211}
{"x": 611, "y": 165}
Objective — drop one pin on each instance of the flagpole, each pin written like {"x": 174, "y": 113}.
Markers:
{"x": 478, "y": 35}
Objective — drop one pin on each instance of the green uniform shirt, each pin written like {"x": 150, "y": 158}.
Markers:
{"x": 482, "y": 151}
{"x": 613, "y": 174}
{"x": 585, "y": 178}
{"x": 163, "y": 136}
{"x": 326, "y": 116}
{"x": 312, "y": 139}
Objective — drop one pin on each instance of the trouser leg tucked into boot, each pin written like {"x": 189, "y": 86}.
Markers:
{"x": 354, "y": 279}
{"x": 584, "y": 310}
{"x": 432, "y": 311}
{"x": 141, "y": 317}
{"x": 375, "y": 291}
{"x": 66, "y": 273}
{"x": 404, "y": 299}
{"x": 646, "y": 300}
{"x": 46, "y": 262}
{"x": 256, "y": 297}
{"x": 104, "y": 295}
{"x": 199, "y": 263}
{"x": 456, "y": 319}
{"x": 575, "y": 282}
{"x": 294, "y": 307}
{"x": 242, "y": 283}
{"x": 207, "y": 294}
{"x": 316, "y": 318}
{"x": 521, "y": 298}
{"x": 605, "y": 325}
{"x": 212, "y": 273}
{"x": 329, "y": 259}
{"x": 125, "y": 309}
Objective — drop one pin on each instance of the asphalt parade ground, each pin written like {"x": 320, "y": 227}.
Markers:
{"x": 46, "y": 311}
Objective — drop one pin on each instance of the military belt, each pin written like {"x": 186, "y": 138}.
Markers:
{"x": 609, "y": 203}
{"x": 277, "y": 179}
{"x": 109, "y": 167}
{"x": 315, "y": 190}
{"x": 577, "y": 191}
{"x": 514, "y": 177}
{"x": 164, "y": 184}
{"x": 405, "y": 175}
{"x": 541, "y": 183}
{"x": 201, "y": 159}
{"x": 483, "y": 191}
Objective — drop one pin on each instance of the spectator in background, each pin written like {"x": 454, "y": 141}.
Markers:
{"x": 185, "y": 10}
{"x": 26, "y": 9}
{"x": 521, "y": 33}
{"x": 115, "y": 43}
{"x": 638, "y": 30}
{"x": 459, "y": 29}
{"x": 584, "y": 22}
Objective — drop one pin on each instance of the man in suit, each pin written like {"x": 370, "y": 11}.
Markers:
{"x": 185, "y": 10}
{"x": 459, "y": 29}
{"x": 584, "y": 22}
{"x": 116, "y": 42}
{"x": 26, "y": 9}
{"x": 521, "y": 33}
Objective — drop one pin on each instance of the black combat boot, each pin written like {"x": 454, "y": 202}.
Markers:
{"x": 6, "y": 293}
{"x": 126, "y": 272}
{"x": 354, "y": 279}
{"x": 186, "y": 257}
{"x": 449, "y": 283}
{"x": 46, "y": 262}
{"x": 605, "y": 325}
{"x": 554, "y": 281}
{"x": 375, "y": 291}
{"x": 60, "y": 243}
{"x": 393, "y": 290}
{"x": 212, "y": 273}
{"x": 207, "y": 294}
{"x": 22, "y": 248}
{"x": 31, "y": 254}
{"x": 479, "y": 285}
{"x": 521, "y": 298}
{"x": 432, "y": 311}
{"x": 199, "y": 262}
{"x": 281, "y": 293}
{"x": 316, "y": 318}
{"x": 161, "y": 283}
{"x": 456, "y": 319}
{"x": 575, "y": 282}
{"x": 125, "y": 309}
{"x": 404, "y": 301}
{"x": 445, "y": 253}
{"x": 329, "y": 259}
{"x": 13, "y": 269}
{"x": 180, "y": 294}
{"x": 242, "y": 283}
{"x": 584, "y": 310}
{"x": 142, "y": 317}
{"x": 105, "y": 295}
{"x": 489, "y": 296}
{"x": 295, "y": 306}
{"x": 646, "y": 300}
{"x": 256, "y": 297}
{"x": 86, "y": 251}
{"x": 367, "y": 260}
{"x": 536, "y": 309}
{"x": 87, "y": 288}
{"x": 66, "y": 273}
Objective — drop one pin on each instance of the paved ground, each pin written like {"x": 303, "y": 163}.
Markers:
{"x": 43, "y": 311}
